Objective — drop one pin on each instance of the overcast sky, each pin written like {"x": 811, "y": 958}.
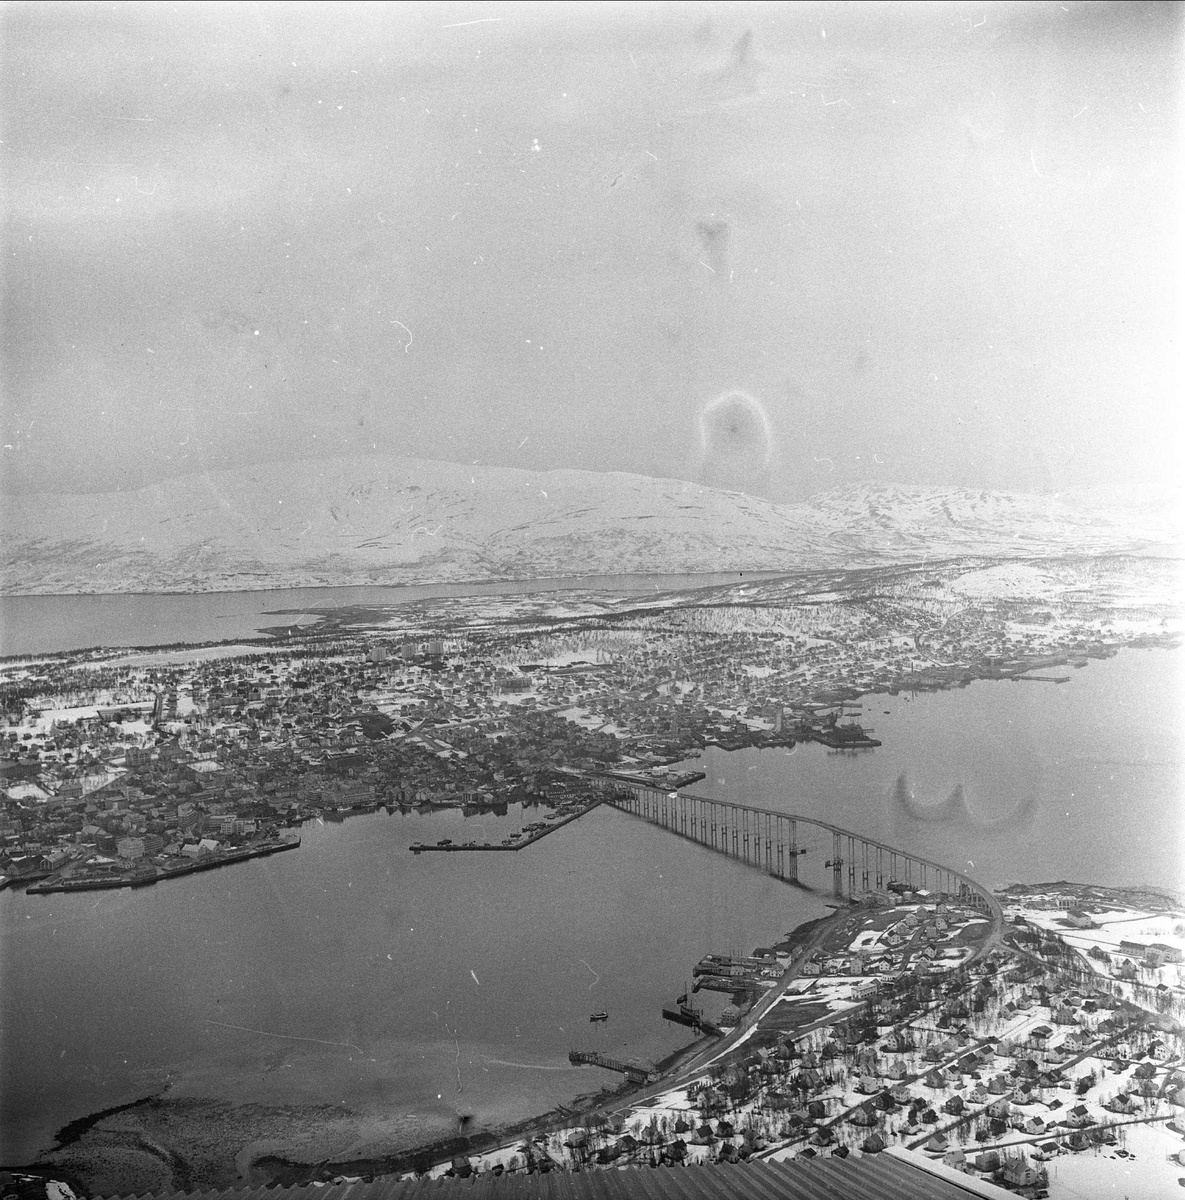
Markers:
{"x": 927, "y": 243}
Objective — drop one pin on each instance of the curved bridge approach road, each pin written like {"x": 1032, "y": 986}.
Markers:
{"x": 768, "y": 840}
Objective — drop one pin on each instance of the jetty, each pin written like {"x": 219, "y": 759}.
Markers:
{"x": 634, "y": 1073}
{"x": 729, "y": 983}
{"x": 530, "y": 835}
{"x": 843, "y": 737}
{"x": 686, "y": 1014}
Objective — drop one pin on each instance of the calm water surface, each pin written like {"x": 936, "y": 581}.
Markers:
{"x": 428, "y": 986}
{"x": 1082, "y": 780}
{"x": 45, "y": 624}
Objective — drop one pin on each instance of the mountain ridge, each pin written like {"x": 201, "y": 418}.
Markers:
{"x": 397, "y": 520}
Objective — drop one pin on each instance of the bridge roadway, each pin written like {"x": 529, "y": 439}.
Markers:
{"x": 768, "y": 839}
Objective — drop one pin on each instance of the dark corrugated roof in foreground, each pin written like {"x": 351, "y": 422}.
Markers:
{"x": 888, "y": 1176}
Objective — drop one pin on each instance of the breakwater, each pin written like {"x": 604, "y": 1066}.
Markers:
{"x": 537, "y": 831}
{"x": 157, "y": 873}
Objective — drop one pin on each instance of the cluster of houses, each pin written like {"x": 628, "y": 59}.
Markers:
{"x": 920, "y": 939}
{"x": 223, "y": 753}
{"x": 992, "y": 1071}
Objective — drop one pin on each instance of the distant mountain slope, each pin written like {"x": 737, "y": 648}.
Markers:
{"x": 901, "y": 523}
{"x": 400, "y": 520}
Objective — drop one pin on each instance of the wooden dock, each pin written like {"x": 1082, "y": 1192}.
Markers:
{"x": 686, "y": 1015}
{"x": 632, "y": 1072}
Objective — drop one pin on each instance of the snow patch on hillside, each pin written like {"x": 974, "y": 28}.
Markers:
{"x": 1008, "y": 581}
{"x": 390, "y": 520}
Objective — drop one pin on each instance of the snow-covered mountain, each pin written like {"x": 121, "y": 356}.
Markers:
{"x": 902, "y": 523}
{"x": 400, "y": 520}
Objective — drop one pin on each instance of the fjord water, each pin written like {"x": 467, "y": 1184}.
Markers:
{"x": 1009, "y": 781}
{"x": 49, "y": 624}
{"x": 353, "y": 973}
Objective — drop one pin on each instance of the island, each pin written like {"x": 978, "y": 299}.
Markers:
{"x": 990, "y": 1031}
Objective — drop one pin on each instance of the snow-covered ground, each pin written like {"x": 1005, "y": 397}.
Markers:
{"x": 1115, "y": 926}
{"x": 390, "y": 520}
{"x": 1146, "y": 1172}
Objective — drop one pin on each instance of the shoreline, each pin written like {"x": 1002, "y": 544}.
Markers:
{"x": 284, "y": 1168}
{"x": 578, "y": 581}
{"x": 668, "y": 1070}
{"x": 292, "y": 1165}
{"x": 295, "y": 1158}
{"x": 559, "y": 1112}
{"x": 137, "y": 879}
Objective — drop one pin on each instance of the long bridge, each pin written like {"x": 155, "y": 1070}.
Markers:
{"x": 769, "y": 840}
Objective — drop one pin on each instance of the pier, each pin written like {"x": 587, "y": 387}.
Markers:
{"x": 521, "y": 843}
{"x": 635, "y": 1074}
{"x": 685, "y": 1014}
{"x": 729, "y": 984}
{"x": 838, "y": 737}
{"x": 770, "y": 840}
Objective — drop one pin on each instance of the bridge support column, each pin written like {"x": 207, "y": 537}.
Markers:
{"x": 738, "y": 830}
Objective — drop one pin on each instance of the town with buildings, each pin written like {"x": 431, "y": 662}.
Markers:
{"x": 1048, "y": 1049}
{"x": 1009, "y": 1041}
{"x": 121, "y": 768}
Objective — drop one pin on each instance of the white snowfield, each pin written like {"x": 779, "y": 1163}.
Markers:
{"x": 392, "y": 520}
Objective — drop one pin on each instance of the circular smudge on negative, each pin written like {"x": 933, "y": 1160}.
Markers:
{"x": 986, "y": 814}
{"x": 736, "y": 442}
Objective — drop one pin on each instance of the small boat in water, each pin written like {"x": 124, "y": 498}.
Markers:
{"x": 599, "y": 1016}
